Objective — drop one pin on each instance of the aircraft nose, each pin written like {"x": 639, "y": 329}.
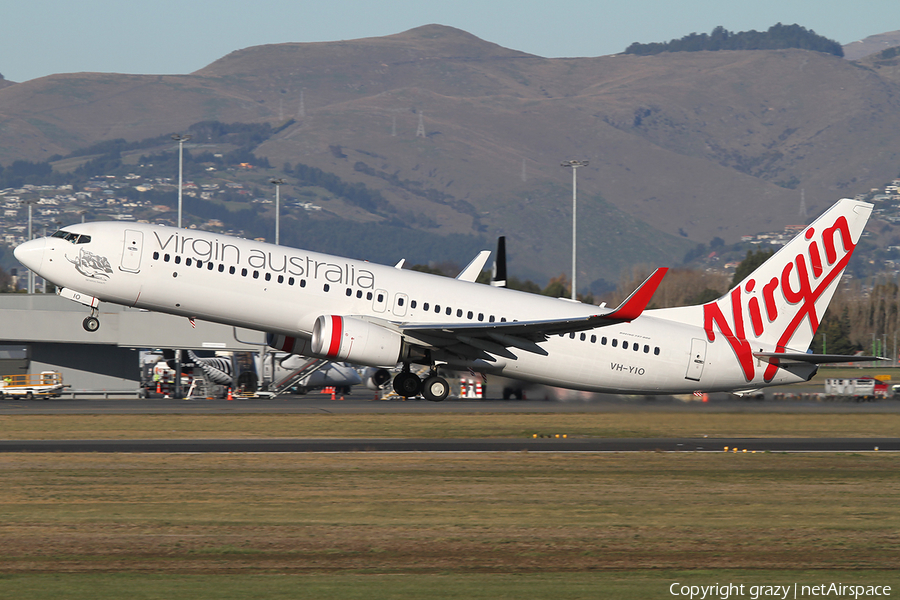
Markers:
{"x": 31, "y": 254}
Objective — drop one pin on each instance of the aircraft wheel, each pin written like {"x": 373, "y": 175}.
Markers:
{"x": 91, "y": 324}
{"x": 436, "y": 389}
{"x": 407, "y": 384}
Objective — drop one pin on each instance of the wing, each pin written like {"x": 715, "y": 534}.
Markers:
{"x": 480, "y": 340}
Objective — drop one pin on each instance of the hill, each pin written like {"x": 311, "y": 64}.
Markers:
{"x": 683, "y": 147}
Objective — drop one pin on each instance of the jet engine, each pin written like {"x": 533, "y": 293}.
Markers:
{"x": 375, "y": 379}
{"x": 288, "y": 344}
{"x": 356, "y": 341}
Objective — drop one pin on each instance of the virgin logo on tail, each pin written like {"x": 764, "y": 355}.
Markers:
{"x": 778, "y": 307}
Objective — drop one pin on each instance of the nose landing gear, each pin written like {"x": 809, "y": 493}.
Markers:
{"x": 91, "y": 323}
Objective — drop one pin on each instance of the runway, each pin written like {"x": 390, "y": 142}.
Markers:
{"x": 732, "y": 445}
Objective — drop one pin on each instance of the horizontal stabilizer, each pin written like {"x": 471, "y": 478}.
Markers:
{"x": 818, "y": 359}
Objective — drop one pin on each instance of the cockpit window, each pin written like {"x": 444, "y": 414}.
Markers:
{"x": 72, "y": 237}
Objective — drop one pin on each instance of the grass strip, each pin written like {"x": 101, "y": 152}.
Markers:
{"x": 623, "y": 585}
{"x": 515, "y": 425}
{"x": 428, "y": 514}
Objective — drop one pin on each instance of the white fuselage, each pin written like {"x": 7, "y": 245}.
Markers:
{"x": 283, "y": 290}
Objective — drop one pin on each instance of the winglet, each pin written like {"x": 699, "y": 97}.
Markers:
{"x": 635, "y": 304}
{"x": 498, "y": 277}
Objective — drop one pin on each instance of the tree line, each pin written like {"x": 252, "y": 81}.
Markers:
{"x": 778, "y": 37}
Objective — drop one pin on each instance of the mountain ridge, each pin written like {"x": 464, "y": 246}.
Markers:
{"x": 469, "y": 135}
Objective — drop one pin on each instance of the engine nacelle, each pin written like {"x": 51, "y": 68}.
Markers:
{"x": 375, "y": 379}
{"x": 289, "y": 344}
{"x": 356, "y": 341}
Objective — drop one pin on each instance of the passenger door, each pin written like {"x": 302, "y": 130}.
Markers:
{"x": 697, "y": 360}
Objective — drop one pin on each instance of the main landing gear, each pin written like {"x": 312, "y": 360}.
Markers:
{"x": 435, "y": 388}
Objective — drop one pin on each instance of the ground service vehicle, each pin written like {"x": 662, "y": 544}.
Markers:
{"x": 47, "y": 384}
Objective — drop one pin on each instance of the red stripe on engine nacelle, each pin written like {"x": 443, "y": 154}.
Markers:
{"x": 288, "y": 344}
{"x": 337, "y": 329}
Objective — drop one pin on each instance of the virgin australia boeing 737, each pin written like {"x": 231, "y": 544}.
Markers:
{"x": 339, "y": 309}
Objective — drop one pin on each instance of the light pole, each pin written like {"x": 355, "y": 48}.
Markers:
{"x": 278, "y": 183}
{"x": 30, "y": 236}
{"x": 574, "y": 164}
{"x": 181, "y": 139}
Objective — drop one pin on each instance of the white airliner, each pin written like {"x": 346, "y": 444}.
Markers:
{"x": 340, "y": 309}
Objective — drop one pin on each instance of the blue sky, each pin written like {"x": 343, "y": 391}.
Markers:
{"x": 43, "y": 37}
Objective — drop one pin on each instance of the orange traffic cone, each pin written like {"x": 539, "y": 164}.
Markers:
{"x": 230, "y": 395}
{"x": 158, "y": 387}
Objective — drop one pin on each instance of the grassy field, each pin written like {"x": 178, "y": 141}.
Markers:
{"x": 417, "y": 525}
{"x": 407, "y": 525}
{"x": 507, "y": 425}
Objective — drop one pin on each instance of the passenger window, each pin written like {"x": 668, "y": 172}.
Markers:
{"x": 368, "y": 295}
{"x": 326, "y": 287}
{"x": 221, "y": 268}
{"x": 400, "y": 301}
{"x": 349, "y": 292}
{"x": 210, "y": 266}
{"x": 156, "y": 256}
{"x": 491, "y": 319}
{"x": 268, "y": 277}
{"x": 646, "y": 349}
{"x": 281, "y": 279}
{"x": 656, "y": 351}
{"x": 603, "y": 341}
{"x": 380, "y": 297}
{"x": 177, "y": 260}
{"x": 458, "y": 312}
{"x": 255, "y": 274}
{"x": 593, "y": 339}
{"x": 166, "y": 258}
{"x": 624, "y": 345}
{"x": 470, "y": 315}
{"x": 290, "y": 281}
{"x": 437, "y": 308}
{"x": 187, "y": 262}
{"x": 635, "y": 346}
{"x": 425, "y": 306}
{"x": 231, "y": 270}
{"x": 302, "y": 283}
{"x": 481, "y": 316}
{"x": 448, "y": 311}
{"x": 243, "y": 272}
{"x": 615, "y": 342}
{"x": 359, "y": 293}
{"x": 412, "y": 303}
{"x": 572, "y": 335}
